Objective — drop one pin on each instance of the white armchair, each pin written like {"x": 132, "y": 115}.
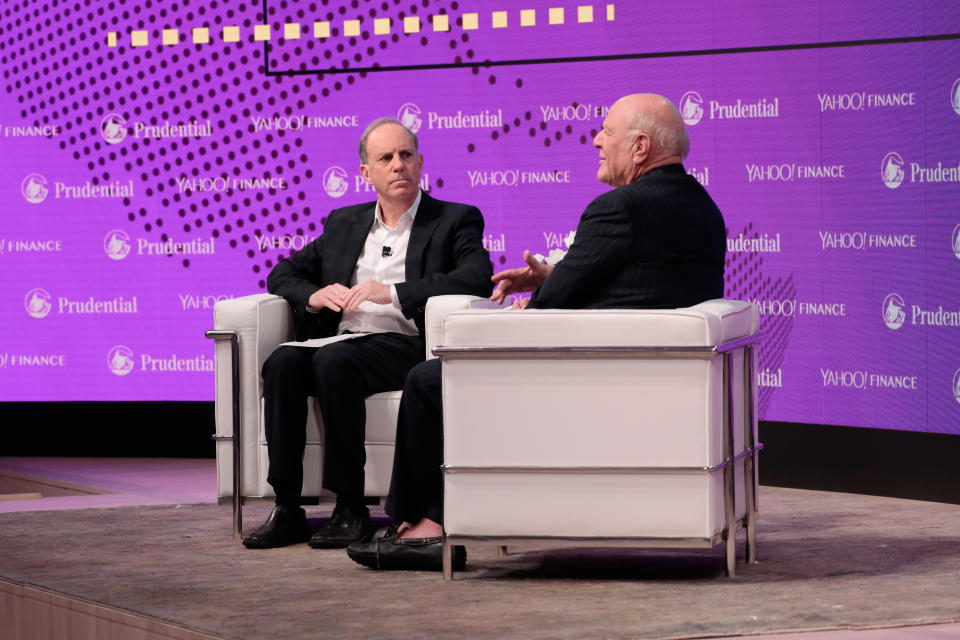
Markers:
{"x": 612, "y": 427}
{"x": 247, "y": 331}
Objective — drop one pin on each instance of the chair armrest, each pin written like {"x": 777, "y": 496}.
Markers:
{"x": 708, "y": 324}
{"x": 438, "y": 307}
{"x": 262, "y": 321}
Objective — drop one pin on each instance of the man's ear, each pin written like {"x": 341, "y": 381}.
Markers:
{"x": 641, "y": 147}
{"x": 365, "y": 172}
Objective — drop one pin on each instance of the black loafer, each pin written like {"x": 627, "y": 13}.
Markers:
{"x": 284, "y": 526}
{"x": 346, "y": 526}
{"x": 392, "y": 552}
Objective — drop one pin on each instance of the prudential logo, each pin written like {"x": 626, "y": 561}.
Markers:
{"x": 120, "y": 360}
{"x": 691, "y": 107}
{"x": 894, "y": 311}
{"x": 955, "y": 241}
{"x": 891, "y": 169}
{"x": 34, "y": 188}
{"x": 37, "y": 303}
{"x": 335, "y": 182}
{"x": 956, "y": 385}
{"x": 116, "y": 244}
{"x": 113, "y": 128}
{"x": 411, "y": 116}
{"x": 955, "y": 96}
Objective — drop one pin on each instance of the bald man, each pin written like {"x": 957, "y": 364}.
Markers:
{"x": 657, "y": 240}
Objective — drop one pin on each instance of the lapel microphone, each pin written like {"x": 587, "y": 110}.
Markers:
{"x": 386, "y": 252}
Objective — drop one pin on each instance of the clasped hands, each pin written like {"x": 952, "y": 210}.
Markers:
{"x": 338, "y": 297}
{"x": 520, "y": 280}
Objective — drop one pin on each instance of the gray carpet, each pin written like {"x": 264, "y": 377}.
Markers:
{"x": 827, "y": 561}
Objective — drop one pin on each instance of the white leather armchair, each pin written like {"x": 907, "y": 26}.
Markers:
{"x": 612, "y": 427}
{"x": 247, "y": 331}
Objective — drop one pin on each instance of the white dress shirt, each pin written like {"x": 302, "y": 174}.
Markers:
{"x": 370, "y": 317}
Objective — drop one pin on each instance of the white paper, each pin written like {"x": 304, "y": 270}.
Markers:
{"x": 322, "y": 342}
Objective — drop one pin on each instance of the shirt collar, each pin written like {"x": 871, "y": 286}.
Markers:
{"x": 411, "y": 212}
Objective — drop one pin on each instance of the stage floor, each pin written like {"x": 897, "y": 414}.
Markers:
{"x": 143, "y": 541}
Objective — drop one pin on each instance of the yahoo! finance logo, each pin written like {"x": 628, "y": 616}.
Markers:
{"x": 335, "y": 182}
{"x": 34, "y": 188}
{"x": 691, "y": 107}
{"x": 113, "y": 128}
{"x": 411, "y": 116}
{"x": 37, "y": 303}
{"x": 116, "y": 244}
{"x": 891, "y": 169}
{"x": 894, "y": 311}
{"x": 120, "y": 360}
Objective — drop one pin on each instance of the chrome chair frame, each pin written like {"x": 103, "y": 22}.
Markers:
{"x": 234, "y": 338}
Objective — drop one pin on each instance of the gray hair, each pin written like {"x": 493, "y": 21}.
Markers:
{"x": 377, "y": 123}
{"x": 667, "y": 134}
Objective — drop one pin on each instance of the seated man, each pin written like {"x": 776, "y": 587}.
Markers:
{"x": 371, "y": 271}
{"x": 656, "y": 241}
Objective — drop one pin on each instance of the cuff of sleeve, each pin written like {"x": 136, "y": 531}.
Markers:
{"x": 393, "y": 296}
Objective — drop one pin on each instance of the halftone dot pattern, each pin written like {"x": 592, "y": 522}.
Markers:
{"x": 92, "y": 80}
{"x": 745, "y": 280}
{"x": 86, "y": 80}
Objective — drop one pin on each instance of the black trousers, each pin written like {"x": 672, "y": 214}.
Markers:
{"x": 340, "y": 376}
{"x": 416, "y": 486}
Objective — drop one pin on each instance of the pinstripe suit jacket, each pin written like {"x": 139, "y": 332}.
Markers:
{"x": 658, "y": 242}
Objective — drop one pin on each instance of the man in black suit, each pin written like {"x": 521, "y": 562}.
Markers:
{"x": 656, "y": 241}
{"x": 370, "y": 272}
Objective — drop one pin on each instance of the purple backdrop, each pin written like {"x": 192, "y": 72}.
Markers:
{"x": 151, "y": 167}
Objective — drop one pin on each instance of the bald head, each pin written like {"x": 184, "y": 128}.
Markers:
{"x": 659, "y": 118}
{"x": 641, "y": 131}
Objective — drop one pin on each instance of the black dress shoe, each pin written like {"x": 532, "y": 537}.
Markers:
{"x": 393, "y": 552}
{"x": 284, "y": 526}
{"x": 346, "y": 526}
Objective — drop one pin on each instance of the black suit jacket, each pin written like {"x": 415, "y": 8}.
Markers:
{"x": 445, "y": 255}
{"x": 658, "y": 242}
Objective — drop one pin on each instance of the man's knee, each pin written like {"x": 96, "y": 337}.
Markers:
{"x": 424, "y": 379}
{"x": 284, "y": 360}
{"x": 334, "y": 361}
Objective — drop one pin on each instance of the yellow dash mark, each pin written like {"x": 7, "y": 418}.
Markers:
{"x": 585, "y": 13}
{"x": 556, "y": 15}
{"x": 201, "y": 35}
{"x": 261, "y": 32}
{"x": 321, "y": 29}
{"x": 528, "y": 18}
{"x": 499, "y": 19}
{"x": 471, "y": 21}
{"x": 111, "y": 38}
{"x": 291, "y": 31}
{"x": 351, "y": 28}
{"x": 411, "y": 24}
{"x": 441, "y": 22}
{"x": 138, "y": 38}
{"x": 171, "y": 36}
{"x": 610, "y": 15}
{"x": 381, "y": 26}
{"x": 231, "y": 34}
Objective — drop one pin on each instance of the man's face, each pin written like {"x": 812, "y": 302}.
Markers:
{"x": 616, "y": 145}
{"x": 393, "y": 164}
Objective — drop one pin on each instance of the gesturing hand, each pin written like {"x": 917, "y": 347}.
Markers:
{"x": 521, "y": 279}
{"x": 331, "y": 296}
{"x": 367, "y": 290}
